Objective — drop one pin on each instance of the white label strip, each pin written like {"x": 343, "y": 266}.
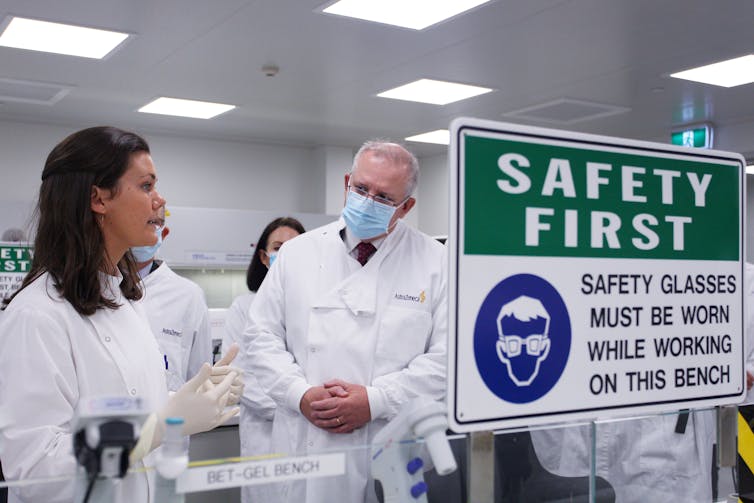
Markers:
{"x": 211, "y": 478}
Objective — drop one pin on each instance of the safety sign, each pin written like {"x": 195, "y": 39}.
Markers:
{"x": 590, "y": 276}
{"x": 15, "y": 262}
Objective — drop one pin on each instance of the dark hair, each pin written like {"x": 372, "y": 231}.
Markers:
{"x": 257, "y": 270}
{"x": 69, "y": 243}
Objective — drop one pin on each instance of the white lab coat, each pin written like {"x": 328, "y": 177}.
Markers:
{"x": 643, "y": 459}
{"x": 749, "y": 327}
{"x": 257, "y": 409}
{"x": 179, "y": 319}
{"x": 319, "y": 315}
{"x": 51, "y": 357}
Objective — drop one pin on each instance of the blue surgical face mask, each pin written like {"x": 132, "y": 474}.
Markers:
{"x": 366, "y": 218}
{"x": 145, "y": 253}
{"x": 271, "y": 256}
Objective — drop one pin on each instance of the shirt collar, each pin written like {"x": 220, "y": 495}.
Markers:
{"x": 144, "y": 271}
{"x": 352, "y": 241}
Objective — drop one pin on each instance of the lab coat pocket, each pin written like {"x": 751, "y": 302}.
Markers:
{"x": 172, "y": 351}
{"x": 403, "y": 335}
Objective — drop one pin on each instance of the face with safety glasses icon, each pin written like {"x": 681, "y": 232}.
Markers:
{"x": 523, "y": 343}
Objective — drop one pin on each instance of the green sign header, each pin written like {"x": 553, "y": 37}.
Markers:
{"x": 15, "y": 259}
{"x": 523, "y": 197}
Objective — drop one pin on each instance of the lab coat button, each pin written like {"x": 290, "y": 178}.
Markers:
{"x": 313, "y": 350}
{"x": 107, "y": 339}
{"x": 311, "y": 444}
{"x": 133, "y": 391}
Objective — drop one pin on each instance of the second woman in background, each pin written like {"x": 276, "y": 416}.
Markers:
{"x": 257, "y": 409}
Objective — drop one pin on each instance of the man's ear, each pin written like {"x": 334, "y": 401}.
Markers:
{"x": 346, "y": 178}
{"x": 98, "y": 198}
{"x": 410, "y": 202}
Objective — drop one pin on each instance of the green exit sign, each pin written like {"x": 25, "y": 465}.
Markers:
{"x": 697, "y": 136}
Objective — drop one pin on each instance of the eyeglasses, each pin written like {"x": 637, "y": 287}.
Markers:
{"x": 535, "y": 344}
{"x": 364, "y": 192}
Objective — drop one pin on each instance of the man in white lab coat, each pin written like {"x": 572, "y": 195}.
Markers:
{"x": 657, "y": 458}
{"x": 177, "y": 314}
{"x": 342, "y": 346}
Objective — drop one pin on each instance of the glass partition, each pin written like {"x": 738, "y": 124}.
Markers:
{"x": 655, "y": 458}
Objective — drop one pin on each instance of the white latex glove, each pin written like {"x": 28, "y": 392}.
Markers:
{"x": 199, "y": 402}
{"x": 222, "y": 368}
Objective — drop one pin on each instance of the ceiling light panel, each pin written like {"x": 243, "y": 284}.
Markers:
{"x": 43, "y": 36}
{"x": 185, "y": 108}
{"x": 435, "y": 92}
{"x": 438, "y": 137}
{"x": 414, "y": 14}
{"x": 729, "y": 73}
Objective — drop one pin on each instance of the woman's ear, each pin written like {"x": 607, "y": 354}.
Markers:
{"x": 98, "y": 198}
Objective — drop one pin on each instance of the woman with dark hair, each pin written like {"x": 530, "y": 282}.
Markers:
{"x": 76, "y": 329}
{"x": 257, "y": 409}
{"x": 273, "y": 236}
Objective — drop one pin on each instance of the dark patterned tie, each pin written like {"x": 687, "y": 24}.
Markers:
{"x": 364, "y": 251}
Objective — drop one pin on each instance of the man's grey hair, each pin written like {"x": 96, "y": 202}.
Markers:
{"x": 395, "y": 153}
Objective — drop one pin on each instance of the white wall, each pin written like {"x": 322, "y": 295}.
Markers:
{"x": 196, "y": 172}
{"x": 433, "y": 195}
{"x": 217, "y": 174}
{"x": 335, "y": 162}
{"x": 192, "y": 172}
{"x": 23, "y": 150}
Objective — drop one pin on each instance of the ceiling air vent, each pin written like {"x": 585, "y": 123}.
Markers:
{"x": 25, "y": 91}
{"x": 567, "y": 111}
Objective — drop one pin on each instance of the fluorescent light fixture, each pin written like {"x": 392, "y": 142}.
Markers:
{"x": 185, "y": 108}
{"x": 414, "y": 14}
{"x": 435, "y": 92}
{"x": 729, "y": 73}
{"x": 438, "y": 136}
{"x": 33, "y": 35}
{"x": 750, "y": 169}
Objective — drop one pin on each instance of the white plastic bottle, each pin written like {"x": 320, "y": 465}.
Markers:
{"x": 173, "y": 458}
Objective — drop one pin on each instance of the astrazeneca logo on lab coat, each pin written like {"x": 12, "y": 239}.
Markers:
{"x": 522, "y": 338}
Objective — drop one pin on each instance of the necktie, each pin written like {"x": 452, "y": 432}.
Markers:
{"x": 364, "y": 251}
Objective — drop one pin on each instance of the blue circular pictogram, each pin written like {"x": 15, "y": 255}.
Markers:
{"x": 522, "y": 338}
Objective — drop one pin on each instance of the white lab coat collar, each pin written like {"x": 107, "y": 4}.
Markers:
{"x": 111, "y": 285}
{"x": 358, "y": 292}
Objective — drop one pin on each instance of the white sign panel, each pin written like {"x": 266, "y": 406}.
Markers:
{"x": 212, "y": 478}
{"x": 590, "y": 277}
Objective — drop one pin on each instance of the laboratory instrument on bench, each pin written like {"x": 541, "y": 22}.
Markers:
{"x": 397, "y": 457}
{"x": 105, "y": 431}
